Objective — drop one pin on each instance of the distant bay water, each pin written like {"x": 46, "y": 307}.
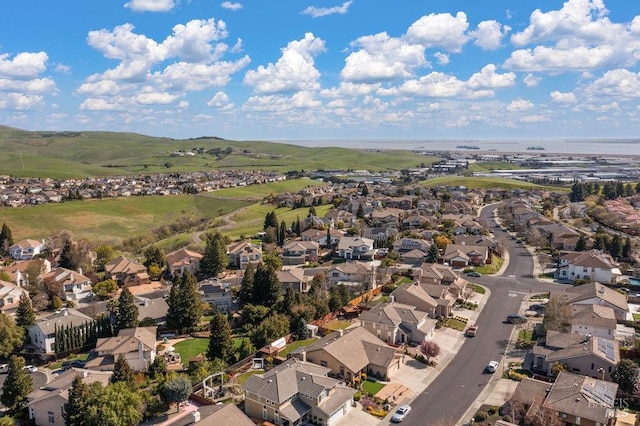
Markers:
{"x": 624, "y": 147}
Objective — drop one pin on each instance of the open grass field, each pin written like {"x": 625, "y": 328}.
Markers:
{"x": 190, "y": 348}
{"x": 487, "y": 183}
{"x": 259, "y": 192}
{"x": 79, "y": 154}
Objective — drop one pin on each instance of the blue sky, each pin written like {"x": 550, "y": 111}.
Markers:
{"x": 298, "y": 69}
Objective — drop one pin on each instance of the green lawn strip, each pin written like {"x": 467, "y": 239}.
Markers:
{"x": 58, "y": 364}
{"x": 525, "y": 336}
{"x": 477, "y": 288}
{"x": 636, "y": 316}
{"x": 295, "y": 345}
{"x": 372, "y": 387}
{"x": 496, "y": 264}
{"x": 455, "y": 324}
{"x": 190, "y": 348}
{"x": 244, "y": 376}
{"x": 337, "y": 325}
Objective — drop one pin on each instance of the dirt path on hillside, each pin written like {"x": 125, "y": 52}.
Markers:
{"x": 227, "y": 223}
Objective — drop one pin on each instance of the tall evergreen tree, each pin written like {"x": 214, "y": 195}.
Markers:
{"x": 214, "y": 259}
{"x": 191, "y": 305}
{"x": 73, "y": 411}
{"x": 360, "y": 212}
{"x": 282, "y": 233}
{"x": 6, "y": 239}
{"x": 615, "y": 246}
{"x": 581, "y": 244}
{"x": 11, "y": 335}
{"x": 433, "y": 254}
{"x": 122, "y": 372}
{"x": 68, "y": 257}
{"x": 154, "y": 256}
{"x": 245, "y": 293}
{"x": 270, "y": 221}
{"x": 173, "y": 313}
{"x": 626, "y": 248}
{"x": 266, "y": 286}
{"x": 127, "y": 312}
{"x": 220, "y": 342}
{"x": 17, "y": 385}
{"x": 25, "y": 315}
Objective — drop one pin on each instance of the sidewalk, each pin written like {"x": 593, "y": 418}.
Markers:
{"x": 415, "y": 375}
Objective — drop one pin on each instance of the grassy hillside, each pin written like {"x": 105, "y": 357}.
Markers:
{"x": 486, "y": 183}
{"x": 81, "y": 154}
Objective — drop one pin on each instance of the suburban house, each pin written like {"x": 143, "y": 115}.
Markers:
{"x": 413, "y": 294}
{"x": 319, "y": 236}
{"x": 462, "y": 255}
{"x": 152, "y": 309}
{"x": 26, "y": 249}
{"x": 403, "y": 245}
{"x": 295, "y": 279}
{"x": 18, "y": 272}
{"x": 10, "y": 296}
{"x": 572, "y": 399}
{"x": 415, "y": 257}
{"x": 591, "y": 265}
{"x": 355, "y": 248}
{"x": 591, "y": 356}
{"x": 46, "y": 404}
{"x": 593, "y": 320}
{"x": 295, "y": 393}
{"x": 183, "y": 260}
{"x": 300, "y": 252}
{"x": 217, "y": 293}
{"x": 386, "y": 217}
{"x": 347, "y": 353}
{"x": 380, "y": 234}
{"x": 137, "y": 345}
{"x": 241, "y": 253}
{"x": 74, "y": 285}
{"x": 340, "y": 219}
{"x": 596, "y": 294}
{"x": 126, "y": 272}
{"x": 358, "y": 273}
{"x": 398, "y": 323}
{"x": 415, "y": 221}
{"x": 477, "y": 240}
{"x": 435, "y": 273}
{"x": 42, "y": 333}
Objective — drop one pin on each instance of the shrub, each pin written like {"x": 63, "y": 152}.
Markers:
{"x": 481, "y": 416}
{"x": 357, "y": 396}
{"x": 506, "y": 418}
{"x": 514, "y": 375}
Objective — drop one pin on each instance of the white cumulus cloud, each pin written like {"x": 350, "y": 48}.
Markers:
{"x": 518, "y": 105}
{"x": 231, "y": 5}
{"x": 563, "y": 98}
{"x": 488, "y": 78}
{"x": 489, "y": 34}
{"x": 150, "y": 5}
{"x": 317, "y": 12}
{"x": 441, "y": 30}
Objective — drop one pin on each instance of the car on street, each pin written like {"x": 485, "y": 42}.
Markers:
{"x": 400, "y": 413}
{"x": 492, "y": 366}
{"x": 4, "y": 368}
{"x": 30, "y": 368}
{"x": 516, "y": 319}
{"x": 472, "y": 330}
{"x": 474, "y": 274}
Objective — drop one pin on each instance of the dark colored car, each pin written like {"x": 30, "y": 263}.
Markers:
{"x": 516, "y": 319}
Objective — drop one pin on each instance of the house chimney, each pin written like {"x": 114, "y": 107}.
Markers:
{"x": 303, "y": 356}
{"x": 80, "y": 271}
{"x": 392, "y": 298}
{"x": 195, "y": 416}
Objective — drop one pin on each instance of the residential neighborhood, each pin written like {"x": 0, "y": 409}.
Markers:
{"x": 342, "y": 318}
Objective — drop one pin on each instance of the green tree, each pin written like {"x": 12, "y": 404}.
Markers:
{"x": 11, "y": 335}
{"x": 6, "y": 239}
{"x": 270, "y": 221}
{"x": 253, "y": 314}
{"x": 581, "y": 244}
{"x": 245, "y": 293}
{"x": 302, "y": 330}
{"x": 68, "y": 256}
{"x": 282, "y": 233}
{"x": 154, "y": 256}
{"x": 220, "y": 341}
{"x": 214, "y": 259}
{"x": 266, "y": 286}
{"x": 74, "y": 410}
{"x": 122, "y": 372}
{"x": 338, "y": 297}
{"x": 127, "y": 311}
{"x": 185, "y": 307}
{"x": 271, "y": 328}
{"x": 17, "y": 385}
{"x": 433, "y": 254}
{"x": 360, "y": 212}
{"x": 25, "y": 315}
{"x": 626, "y": 375}
{"x": 176, "y": 390}
{"x": 615, "y": 247}
{"x": 626, "y": 248}
{"x": 114, "y": 405}
{"x": 104, "y": 254}
{"x": 158, "y": 367}
{"x": 104, "y": 288}
{"x": 246, "y": 349}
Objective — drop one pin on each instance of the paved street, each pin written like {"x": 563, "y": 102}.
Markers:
{"x": 39, "y": 378}
{"x": 447, "y": 399}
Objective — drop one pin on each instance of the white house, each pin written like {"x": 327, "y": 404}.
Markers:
{"x": 137, "y": 346}
{"x": 26, "y": 249}
{"x": 592, "y": 265}
{"x": 42, "y": 333}
{"x": 10, "y": 296}
{"x": 593, "y": 320}
{"x": 75, "y": 286}
{"x": 355, "y": 248}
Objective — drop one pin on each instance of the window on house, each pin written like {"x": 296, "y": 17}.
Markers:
{"x": 52, "y": 419}
{"x": 341, "y": 371}
{"x": 323, "y": 363}
{"x": 264, "y": 412}
{"x": 592, "y": 366}
{"x": 276, "y": 417}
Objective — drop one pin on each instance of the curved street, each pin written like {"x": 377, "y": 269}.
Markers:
{"x": 446, "y": 400}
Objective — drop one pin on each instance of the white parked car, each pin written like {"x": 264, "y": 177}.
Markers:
{"x": 400, "y": 413}
{"x": 31, "y": 368}
{"x": 492, "y": 366}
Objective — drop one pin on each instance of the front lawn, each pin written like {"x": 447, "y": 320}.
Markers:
{"x": 295, "y": 345}
{"x": 477, "y": 288}
{"x": 337, "y": 325}
{"x": 526, "y": 336}
{"x": 58, "y": 364}
{"x": 496, "y": 264}
{"x": 372, "y": 387}
{"x": 456, "y": 324}
{"x": 636, "y": 317}
{"x": 191, "y": 348}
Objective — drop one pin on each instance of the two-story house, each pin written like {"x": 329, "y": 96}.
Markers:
{"x": 352, "y": 248}
{"x": 42, "y": 333}
{"x": 217, "y": 293}
{"x": 353, "y": 273}
{"x": 320, "y": 236}
{"x": 300, "y": 252}
{"x": 297, "y": 392}
{"x": 241, "y": 253}
{"x": 137, "y": 346}
{"x": 183, "y": 260}
{"x": 10, "y": 296}
{"x": 591, "y": 265}
{"x": 593, "y": 320}
{"x": 596, "y": 294}
{"x": 295, "y": 279}
{"x": 26, "y": 249}
{"x": 74, "y": 285}
{"x": 462, "y": 255}
{"x": 126, "y": 272}
{"x": 402, "y": 245}
{"x": 398, "y": 323}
